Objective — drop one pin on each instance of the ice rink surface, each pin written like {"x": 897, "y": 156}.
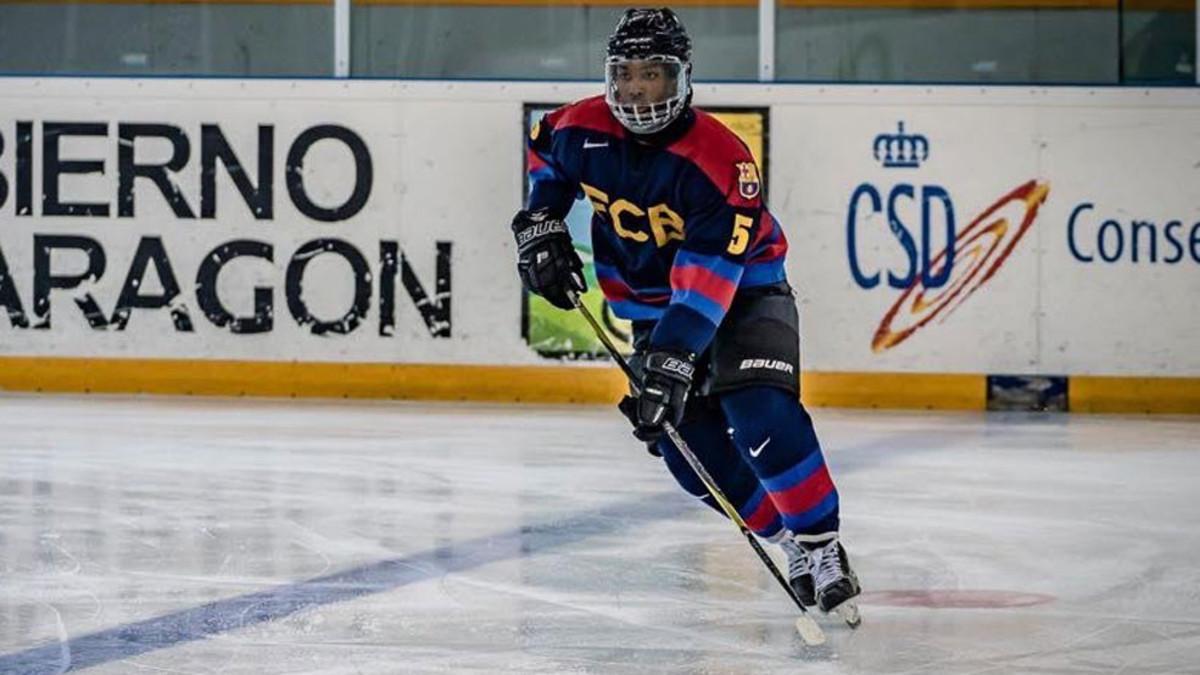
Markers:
{"x": 159, "y": 535}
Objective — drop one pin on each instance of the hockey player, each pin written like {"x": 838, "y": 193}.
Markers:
{"x": 685, "y": 248}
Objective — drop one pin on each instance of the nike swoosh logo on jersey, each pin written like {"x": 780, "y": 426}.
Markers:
{"x": 588, "y": 144}
{"x": 755, "y": 452}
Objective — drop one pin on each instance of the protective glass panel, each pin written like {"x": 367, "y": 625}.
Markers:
{"x": 1158, "y": 39}
{"x": 167, "y": 37}
{"x": 1001, "y": 41}
{"x": 394, "y": 38}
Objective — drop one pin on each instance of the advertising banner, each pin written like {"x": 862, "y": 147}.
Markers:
{"x": 271, "y": 222}
{"x": 1056, "y": 234}
{"x": 931, "y": 229}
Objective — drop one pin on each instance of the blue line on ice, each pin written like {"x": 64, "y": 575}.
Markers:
{"x": 188, "y": 625}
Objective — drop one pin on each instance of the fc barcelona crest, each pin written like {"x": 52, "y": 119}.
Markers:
{"x": 749, "y": 184}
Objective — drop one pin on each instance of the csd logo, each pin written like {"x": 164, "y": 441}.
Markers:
{"x": 902, "y": 151}
{"x": 933, "y": 285}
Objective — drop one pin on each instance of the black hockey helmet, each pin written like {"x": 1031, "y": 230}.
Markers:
{"x": 649, "y": 32}
{"x": 653, "y": 39}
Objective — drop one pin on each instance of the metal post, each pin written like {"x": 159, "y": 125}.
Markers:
{"x": 1120, "y": 41}
{"x": 766, "y": 40}
{"x": 206, "y": 43}
{"x": 341, "y": 38}
{"x": 1196, "y": 48}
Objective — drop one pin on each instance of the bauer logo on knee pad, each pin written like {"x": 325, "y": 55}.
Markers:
{"x": 767, "y": 364}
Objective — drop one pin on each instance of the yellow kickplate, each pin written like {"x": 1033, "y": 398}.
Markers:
{"x": 1134, "y": 394}
{"x": 894, "y": 390}
{"x": 535, "y": 384}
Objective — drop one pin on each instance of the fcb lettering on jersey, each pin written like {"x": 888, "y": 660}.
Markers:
{"x": 678, "y": 226}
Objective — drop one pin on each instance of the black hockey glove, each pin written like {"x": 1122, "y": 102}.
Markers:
{"x": 628, "y": 406}
{"x": 666, "y": 381}
{"x": 546, "y": 258}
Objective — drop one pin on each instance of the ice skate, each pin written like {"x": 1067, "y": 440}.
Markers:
{"x": 834, "y": 581}
{"x": 799, "y": 571}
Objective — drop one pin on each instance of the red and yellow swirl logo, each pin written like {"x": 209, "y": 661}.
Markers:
{"x": 979, "y": 251}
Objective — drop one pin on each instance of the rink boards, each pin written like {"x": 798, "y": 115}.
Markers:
{"x": 351, "y": 239}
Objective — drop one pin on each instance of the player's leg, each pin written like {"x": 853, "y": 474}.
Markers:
{"x": 775, "y": 435}
{"x": 755, "y": 374}
{"x": 705, "y": 431}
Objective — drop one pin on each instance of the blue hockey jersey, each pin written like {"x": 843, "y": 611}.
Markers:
{"x": 678, "y": 225}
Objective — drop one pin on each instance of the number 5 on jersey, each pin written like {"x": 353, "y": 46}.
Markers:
{"x": 741, "y": 234}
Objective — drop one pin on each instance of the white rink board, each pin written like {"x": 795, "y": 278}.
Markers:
{"x": 446, "y": 162}
{"x": 441, "y": 171}
{"x": 1133, "y": 155}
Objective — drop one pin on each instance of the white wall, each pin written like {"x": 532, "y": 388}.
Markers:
{"x": 446, "y": 160}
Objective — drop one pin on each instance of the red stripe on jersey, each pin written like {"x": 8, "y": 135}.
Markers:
{"x": 590, "y": 113}
{"x": 716, "y": 151}
{"x": 771, "y": 252}
{"x": 766, "y": 227}
{"x": 535, "y": 160}
{"x": 802, "y": 497}
{"x": 614, "y": 289}
{"x": 704, "y": 281}
{"x": 769, "y": 230}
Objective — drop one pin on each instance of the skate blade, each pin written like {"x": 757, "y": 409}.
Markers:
{"x": 809, "y": 631}
{"x": 848, "y": 612}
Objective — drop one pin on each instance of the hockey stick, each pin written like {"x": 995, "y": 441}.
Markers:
{"x": 808, "y": 629}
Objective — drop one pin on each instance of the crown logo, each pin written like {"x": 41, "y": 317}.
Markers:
{"x": 901, "y": 150}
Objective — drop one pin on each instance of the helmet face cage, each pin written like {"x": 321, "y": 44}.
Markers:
{"x": 647, "y": 93}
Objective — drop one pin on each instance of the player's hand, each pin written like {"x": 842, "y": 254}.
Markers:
{"x": 666, "y": 381}
{"x": 546, "y": 258}
{"x": 628, "y": 406}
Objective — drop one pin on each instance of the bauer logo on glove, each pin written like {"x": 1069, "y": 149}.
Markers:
{"x": 546, "y": 259}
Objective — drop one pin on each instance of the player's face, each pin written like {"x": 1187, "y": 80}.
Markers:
{"x": 646, "y": 94}
{"x": 644, "y": 82}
